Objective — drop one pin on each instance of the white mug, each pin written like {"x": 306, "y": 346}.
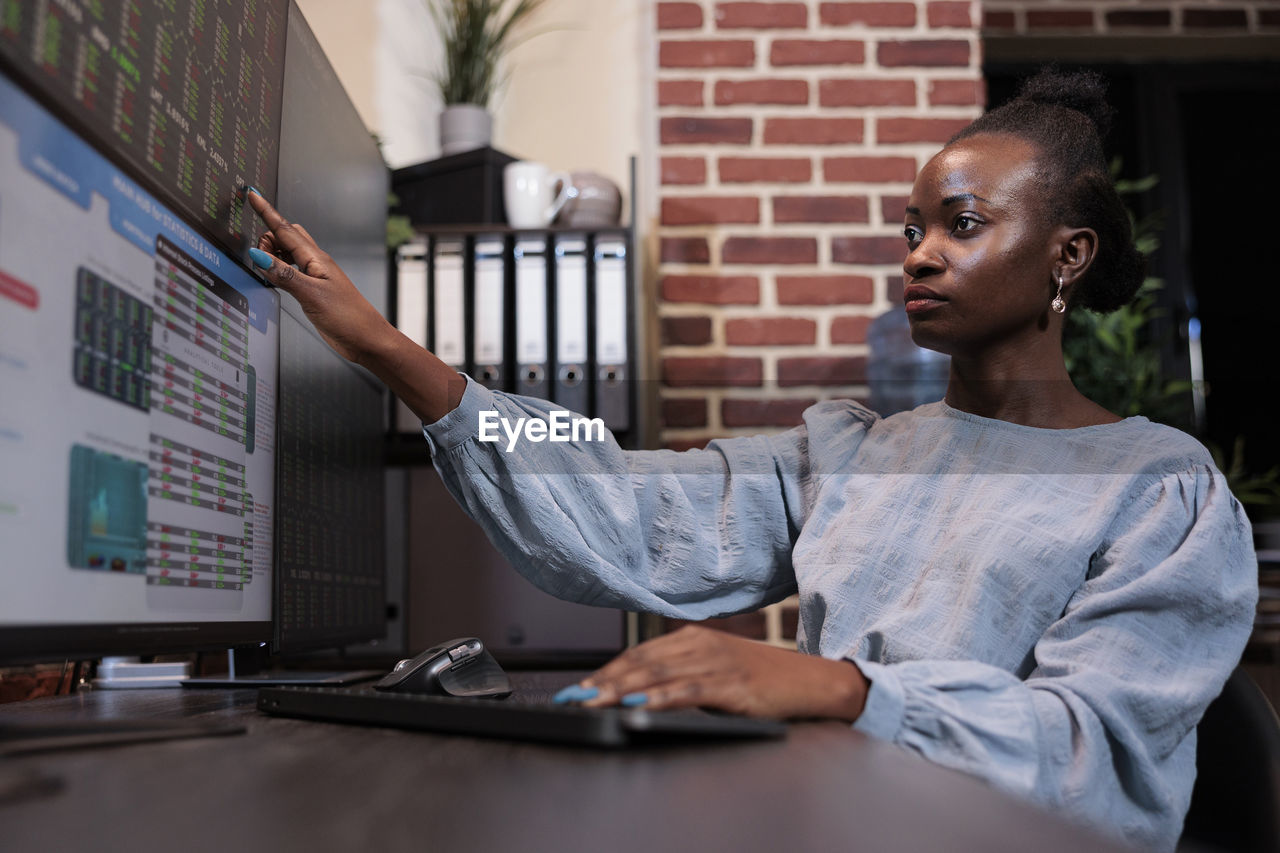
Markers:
{"x": 528, "y": 188}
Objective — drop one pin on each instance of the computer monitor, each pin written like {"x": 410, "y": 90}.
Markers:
{"x": 138, "y": 355}
{"x": 330, "y": 505}
{"x": 122, "y": 307}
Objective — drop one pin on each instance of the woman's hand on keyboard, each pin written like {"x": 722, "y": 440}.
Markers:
{"x": 701, "y": 667}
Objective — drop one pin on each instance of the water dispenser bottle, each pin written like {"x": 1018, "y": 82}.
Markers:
{"x": 901, "y": 374}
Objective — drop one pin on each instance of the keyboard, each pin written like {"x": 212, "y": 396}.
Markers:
{"x": 569, "y": 724}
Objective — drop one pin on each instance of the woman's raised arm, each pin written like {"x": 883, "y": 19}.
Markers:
{"x": 346, "y": 320}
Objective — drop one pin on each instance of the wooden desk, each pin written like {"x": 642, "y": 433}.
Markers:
{"x": 298, "y": 785}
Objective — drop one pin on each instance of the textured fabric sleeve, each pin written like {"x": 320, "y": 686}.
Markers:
{"x": 1103, "y": 727}
{"x": 689, "y": 535}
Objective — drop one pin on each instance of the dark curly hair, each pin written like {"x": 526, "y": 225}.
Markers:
{"x": 1066, "y": 115}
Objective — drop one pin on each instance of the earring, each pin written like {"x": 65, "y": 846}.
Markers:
{"x": 1058, "y": 305}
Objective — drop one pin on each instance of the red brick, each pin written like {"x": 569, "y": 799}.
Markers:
{"x": 769, "y": 250}
{"x": 691, "y": 130}
{"x": 890, "y": 130}
{"x": 684, "y": 170}
{"x": 762, "y": 92}
{"x": 1141, "y": 18}
{"x": 825, "y": 290}
{"x": 866, "y": 93}
{"x": 770, "y": 331}
{"x": 948, "y": 13}
{"x": 708, "y": 210}
{"x": 868, "y": 250}
{"x": 681, "y": 412}
{"x": 868, "y": 14}
{"x": 893, "y": 209}
{"x": 785, "y": 52}
{"x": 686, "y": 331}
{"x": 682, "y": 93}
{"x": 869, "y": 169}
{"x": 712, "y": 289}
{"x": 1060, "y": 18}
{"x": 893, "y": 286}
{"x": 790, "y": 623}
{"x": 680, "y": 445}
{"x": 850, "y": 330}
{"x": 679, "y": 16}
{"x": 812, "y": 131}
{"x": 1214, "y": 18}
{"x": 928, "y": 53}
{"x": 824, "y": 208}
{"x": 749, "y": 625}
{"x": 998, "y": 20}
{"x": 957, "y": 93}
{"x": 711, "y": 371}
{"x": 706, "y": 54}
{"x": 822, "y": 370}
{"x": 685, "y": 250}
{"x": 764, "y": 413}
{"x": 748, "y": 170}
{"x": 761, "y": 16}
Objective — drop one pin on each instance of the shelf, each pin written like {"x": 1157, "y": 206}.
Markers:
{"x": 486, "y": 230}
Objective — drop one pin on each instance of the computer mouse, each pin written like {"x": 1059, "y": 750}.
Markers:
{"x": 461, "y": 667}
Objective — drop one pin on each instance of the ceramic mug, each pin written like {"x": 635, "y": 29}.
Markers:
{"x": 597, "y": 202}
{"x": 529, "y": 191}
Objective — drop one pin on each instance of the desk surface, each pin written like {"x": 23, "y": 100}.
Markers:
{"x": 298, "y": 785}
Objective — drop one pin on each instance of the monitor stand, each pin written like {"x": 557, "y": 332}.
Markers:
{"x": 247, "y": 668}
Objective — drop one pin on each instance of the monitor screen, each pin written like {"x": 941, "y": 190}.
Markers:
{"x": 330, "y": 509}
{"x": 185, "y": 93}
{"x": 138, "y": 369}
{"x": 331, "y": 506}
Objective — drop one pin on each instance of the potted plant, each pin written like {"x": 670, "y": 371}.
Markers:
{"x": 475, "y": 36}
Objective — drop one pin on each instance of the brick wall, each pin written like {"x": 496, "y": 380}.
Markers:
{"x": 789, "y": 134}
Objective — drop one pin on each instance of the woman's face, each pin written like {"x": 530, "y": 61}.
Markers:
{"x": 980, "y": 257}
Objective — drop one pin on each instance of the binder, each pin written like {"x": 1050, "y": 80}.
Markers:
{"x": 612, "y": 381}
{"x": 571, "y": 387}
{"x": 489, "y": 326}
{"x": 531, "y": 318}
{"x": 448, "y": 305}
{"x": 411, "y": 313}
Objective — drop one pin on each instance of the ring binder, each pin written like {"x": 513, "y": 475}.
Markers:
{"x": 532, "y": 349}
{"x": 571, "y": 385}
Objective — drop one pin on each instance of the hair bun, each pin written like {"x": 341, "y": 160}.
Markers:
{"x": 1082, "y": 91}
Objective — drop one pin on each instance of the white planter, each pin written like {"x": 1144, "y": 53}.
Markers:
{"x": 464, "y": 127}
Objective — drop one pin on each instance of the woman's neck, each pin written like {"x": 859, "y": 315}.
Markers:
{"x": 1029, "y": 388}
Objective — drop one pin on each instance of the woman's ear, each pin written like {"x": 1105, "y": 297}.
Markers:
{"x": 1077, "y": 247}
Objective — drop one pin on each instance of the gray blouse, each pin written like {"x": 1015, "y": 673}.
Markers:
{"x": 1051, "y": 610}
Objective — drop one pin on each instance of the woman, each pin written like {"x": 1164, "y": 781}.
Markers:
{"x": 1013, "y": 582}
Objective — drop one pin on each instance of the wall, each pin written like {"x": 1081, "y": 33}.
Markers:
{"x": 573, "y": 100}
{"x": 789, "y": 135}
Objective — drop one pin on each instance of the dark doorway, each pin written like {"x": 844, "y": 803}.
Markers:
{"x": 1207, "y": 130}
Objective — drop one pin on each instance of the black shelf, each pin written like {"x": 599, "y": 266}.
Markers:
{"x": 410, "y": 448}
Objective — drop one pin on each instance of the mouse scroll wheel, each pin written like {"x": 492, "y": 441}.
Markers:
{"x": 459, "y": 652}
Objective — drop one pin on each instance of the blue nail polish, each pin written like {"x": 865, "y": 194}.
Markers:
{"x": 575, "y": 693}
{"x": 249, "y": 189}
{"x": 261, "y": 259}
{"x": 633, "y": 699}
{"x": 566, "y": 695}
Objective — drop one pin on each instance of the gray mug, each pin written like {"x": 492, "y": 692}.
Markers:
{"x": 596, "y": 202}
